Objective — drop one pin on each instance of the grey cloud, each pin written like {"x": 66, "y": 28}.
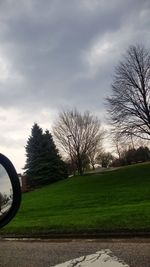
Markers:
{"x": 45, "y": 43}
{"x": 61, "y": 53}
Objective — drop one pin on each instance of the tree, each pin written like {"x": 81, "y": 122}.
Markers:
{"x": 105, "y": 158}
{"x": 142, "y": 154}
{"x": 34, "y": 154}
{"x": 129, "y": 104}
{"x": 120, "y": 143}
{"x": 54, "y": 168}
{"x": 93, "y": 156}
{"x": 129, "y": 156}
{"x": 133, "y": 155}
{"x": 78, "y": 135}
{"x": 43, "y": 164}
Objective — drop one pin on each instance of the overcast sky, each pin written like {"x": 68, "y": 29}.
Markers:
{"x": 60, "y": 53}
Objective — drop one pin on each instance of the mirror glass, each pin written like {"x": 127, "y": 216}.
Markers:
{"x": 6, "y": 192}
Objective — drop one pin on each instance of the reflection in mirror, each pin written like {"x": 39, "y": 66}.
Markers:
{"x": 6, "y": 193}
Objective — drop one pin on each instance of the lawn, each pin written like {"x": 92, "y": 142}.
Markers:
{"x": 111, "y": 201}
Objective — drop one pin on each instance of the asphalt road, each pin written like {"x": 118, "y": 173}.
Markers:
{"x": 135, "y": 253}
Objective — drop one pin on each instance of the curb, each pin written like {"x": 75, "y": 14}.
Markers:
{"x": 67, "y": 236}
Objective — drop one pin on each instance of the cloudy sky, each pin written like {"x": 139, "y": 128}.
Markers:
{"x": 60, "y": 53}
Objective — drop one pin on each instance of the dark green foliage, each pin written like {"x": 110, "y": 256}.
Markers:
{"x": 132, "y": 155}
{"x": 105, "y": 158}
{"x": 44, "y": 164}
{"x": 142, "y": 154}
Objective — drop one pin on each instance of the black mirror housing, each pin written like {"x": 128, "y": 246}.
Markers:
{"x": 14, "y": 203}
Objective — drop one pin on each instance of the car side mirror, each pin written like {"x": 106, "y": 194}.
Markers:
{"x": 10, "y": 191}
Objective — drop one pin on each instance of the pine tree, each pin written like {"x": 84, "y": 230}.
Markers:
{"x": 33, "y": 152}
{"x": 53, "y": 166}
{"x": 44, "y": 164}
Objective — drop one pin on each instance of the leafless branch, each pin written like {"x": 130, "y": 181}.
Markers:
{"x": 129, "y": 104}
{"x": 80, "y": 135}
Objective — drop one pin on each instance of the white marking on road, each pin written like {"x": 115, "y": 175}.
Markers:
{"x": 102, "y": 258}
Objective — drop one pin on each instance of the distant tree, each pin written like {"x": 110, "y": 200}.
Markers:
{"x": 142, "y": 154}
{"x": 93, "y": 155}
{"x": 78, "y": 135}
{"x": 132, "y": 155}
{"x": 105, "y": 158}
{"x": 129, "y": 104}
{"x": 43, "y": 163}
{"x": 129, "y": 156}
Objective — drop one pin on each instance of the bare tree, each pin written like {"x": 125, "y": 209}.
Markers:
{"x": 78, "y": 135}
{"x": 120, "y": 143}
{"x": 129, "y": 104}
{"x": 93, "y": 156}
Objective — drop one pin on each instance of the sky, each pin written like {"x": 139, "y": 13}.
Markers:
{"x": 57, "y": 54}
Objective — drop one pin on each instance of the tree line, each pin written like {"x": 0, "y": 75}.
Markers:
{"x": 80, "y": 136}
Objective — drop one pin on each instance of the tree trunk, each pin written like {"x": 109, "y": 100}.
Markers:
{"x": 79, "y": 164}
{"x": 93, "y": 167}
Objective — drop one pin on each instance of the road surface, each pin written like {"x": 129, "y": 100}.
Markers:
{"x": 133, "y": 253}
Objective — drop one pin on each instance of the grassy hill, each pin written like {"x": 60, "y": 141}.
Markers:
{"x": 116, "y": 200}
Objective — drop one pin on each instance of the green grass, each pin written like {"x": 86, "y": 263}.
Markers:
{"x": 116, "y": 200}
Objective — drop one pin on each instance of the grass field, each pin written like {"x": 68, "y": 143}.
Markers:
{"x": 116, "y": 200}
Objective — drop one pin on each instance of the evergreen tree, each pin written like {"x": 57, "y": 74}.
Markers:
{"x": 33, "y": 153}
{"x": 53, "y": 167}
{"x": 43, "y": 164}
